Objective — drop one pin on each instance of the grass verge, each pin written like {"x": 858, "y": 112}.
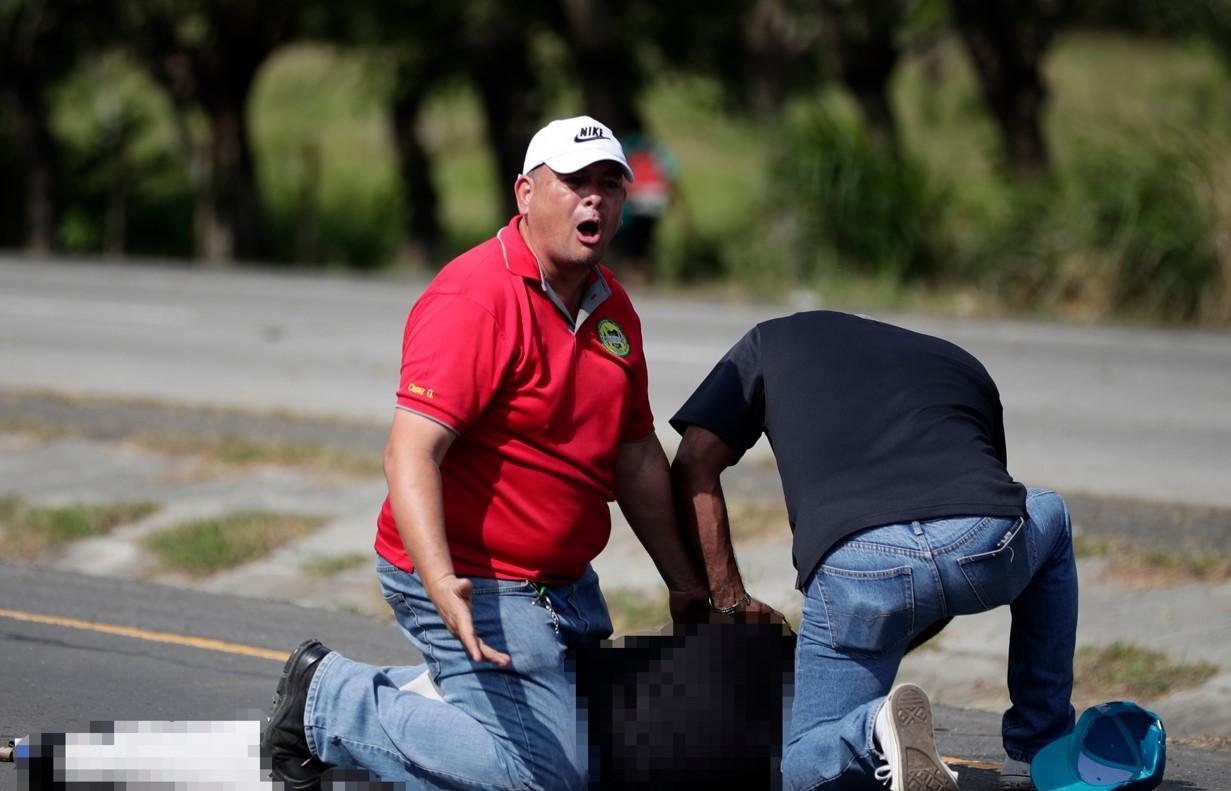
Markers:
{"x": 634, "y": 612}
{"x": 231, "y": 453}
{"x": 1122, "y": 671}
{"x": 1147, "y": 568}
{"x": 223, "y": 439}
{"x": 758, "y": 520}
{"x": 321, "y": 567}
{"x": 30, "y": 532}
{"x": 206, "y": 546}
{"x": 1217, "y": 742}
{"x": 40, "y": 431}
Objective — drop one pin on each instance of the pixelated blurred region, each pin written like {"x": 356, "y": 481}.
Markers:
{"x": 700, "y": 707}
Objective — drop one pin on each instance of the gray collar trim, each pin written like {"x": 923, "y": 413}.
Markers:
{"x": 595, "y": 295}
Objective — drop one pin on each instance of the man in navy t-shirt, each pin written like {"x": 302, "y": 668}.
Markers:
{"x": 890, "y": 445}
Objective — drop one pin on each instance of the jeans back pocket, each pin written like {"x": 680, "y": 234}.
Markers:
{"x": 868, "y": 611}
{"x": 997, "y": 577}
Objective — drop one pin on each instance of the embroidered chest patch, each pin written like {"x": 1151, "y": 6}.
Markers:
{"x": 613, "y": 338}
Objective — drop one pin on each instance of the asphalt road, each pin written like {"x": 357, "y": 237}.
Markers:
{"x": 61, "y": 677}
{"x": 1108, "y": 412}
{"x": 1103, "y": 411}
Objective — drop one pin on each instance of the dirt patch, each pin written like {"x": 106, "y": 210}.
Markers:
{"x": 1122, "y": 671}
{"x": 1144, "y": 568}
{"x": 635, "y": 612}
{"x": 1203, "y": 742}
{"x": 220, "y": 441}
{"x": 117, "y": 419}
{"x": 761, "y": 520}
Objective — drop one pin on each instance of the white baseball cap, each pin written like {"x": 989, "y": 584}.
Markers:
{"x": 569, "y": 144}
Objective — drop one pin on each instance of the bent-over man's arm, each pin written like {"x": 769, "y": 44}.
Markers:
{"x": 416, "y": 447}
{"x": 643, "y": 490}
{"x": 696, "y": 477}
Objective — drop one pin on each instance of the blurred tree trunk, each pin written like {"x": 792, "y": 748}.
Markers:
{"x": 770, "y": 38}
{"x": 229, "y": 218}
{"x": 40, "y": 42}
{"x": 206, "y": 55}
{"x": 196, "y": 162}
{"x": 610, "y": 78}
{"x": 862, "y": 35}
{"x": 428, "y": 45}
{"x": 1006, "y": 41}
{"x": 41, "y": 155}
{"x": 415, "y": 169}
{"x": 513, "y": 107}
{"x": 234, "y": 195}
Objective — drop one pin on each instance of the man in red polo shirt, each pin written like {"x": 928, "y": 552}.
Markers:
{"x": 522, "y": 411}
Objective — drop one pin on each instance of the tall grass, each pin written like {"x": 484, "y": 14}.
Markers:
{"x": 877, "y": 209}
{"x": 1145, "y": 214}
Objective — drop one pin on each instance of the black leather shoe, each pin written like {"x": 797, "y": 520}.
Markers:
{"x": 298, "y": 774}
{"x": 284, "y": 744}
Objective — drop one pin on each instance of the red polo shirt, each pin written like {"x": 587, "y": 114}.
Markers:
{"x": 539, "y": 410}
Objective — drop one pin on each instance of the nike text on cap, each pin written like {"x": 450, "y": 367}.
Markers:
{"x": 570, "y": 144}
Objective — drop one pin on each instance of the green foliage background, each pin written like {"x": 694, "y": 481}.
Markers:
{"x": 1135, "y": 222}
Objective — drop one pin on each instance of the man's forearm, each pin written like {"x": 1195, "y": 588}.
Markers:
{"x": 418, "y": 506}
{"x": 412, "y": 461}
{"x": 416, "y": 448}
{"x": 643, "y": 490}
{"x": 703, "y": 512}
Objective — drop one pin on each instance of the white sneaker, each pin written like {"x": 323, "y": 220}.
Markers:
{"x": 1015, "y": 775}
{"x": 909, "y": 746}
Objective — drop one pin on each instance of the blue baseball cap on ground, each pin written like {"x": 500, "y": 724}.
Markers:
{"x": 1116, "y": 745}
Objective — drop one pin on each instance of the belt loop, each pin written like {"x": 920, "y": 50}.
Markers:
{"x": 917, "y": 528}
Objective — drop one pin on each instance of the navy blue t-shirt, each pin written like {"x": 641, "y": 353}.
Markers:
{"x": 870, "y": 424}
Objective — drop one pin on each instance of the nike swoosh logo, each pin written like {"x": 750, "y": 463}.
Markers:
{"x": 583, "y": 138}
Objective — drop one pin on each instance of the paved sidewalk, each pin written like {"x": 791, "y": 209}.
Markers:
{"x": 964, "y": 667}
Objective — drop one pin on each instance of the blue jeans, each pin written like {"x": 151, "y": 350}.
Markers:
{"x": 877, "y": 589}
{"x": 513, "y": 727}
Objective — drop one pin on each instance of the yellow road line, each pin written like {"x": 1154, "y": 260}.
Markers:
{"x": 145, "y": 634}
{"x": 245, "y": 650}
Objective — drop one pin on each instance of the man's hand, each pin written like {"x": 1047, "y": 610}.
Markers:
{"x": 758, "y": 611}
{"x": 452, "y": 596}
{"x": 694, "y": 607}
{"x": 691, "y": 606}
{"x": 755, "y": 611}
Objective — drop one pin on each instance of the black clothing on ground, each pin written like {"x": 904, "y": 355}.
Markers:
{"x": 871, "y": 424}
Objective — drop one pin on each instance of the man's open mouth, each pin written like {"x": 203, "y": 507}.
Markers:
{"x": 589, "y": 231}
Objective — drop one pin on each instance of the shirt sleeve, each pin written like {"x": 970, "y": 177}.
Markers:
{"x": 730, "y": 402}
{"x": 455, "y": 356}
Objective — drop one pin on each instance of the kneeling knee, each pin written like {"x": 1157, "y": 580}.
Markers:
{"x": 797, "y": 772}
{"x": 555, "y": 773}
